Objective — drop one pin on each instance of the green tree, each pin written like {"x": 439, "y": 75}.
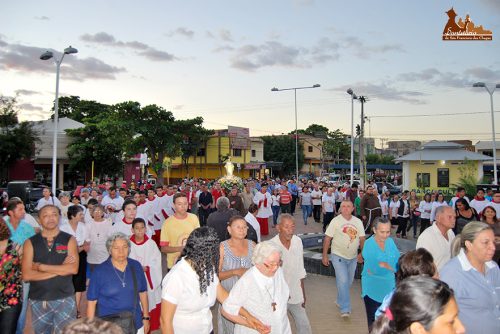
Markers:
{"x": 100, "y": 140}
{"x": 282, "y": 149}
{"x": 336, "y": 145}
{"x": 468, "y": 177}
{"x": 17, "y": 140}
{"x": 314, "y": 130}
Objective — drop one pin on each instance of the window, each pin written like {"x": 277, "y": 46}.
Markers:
{"x": 423, "y": 180}
{"x": 488, "y": 153}
{"x": 236, "y": 152}
{"x": 201, "y": 152}
{"x": 254, "y": 154}
{"x": 309, "y": 148}
{"x": 443, "y": 175}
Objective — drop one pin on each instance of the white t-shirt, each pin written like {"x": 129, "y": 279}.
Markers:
{"x": 98, "y": 233}
{"x": 425, "y": 209}
{"x": 328, "y": 202}
{"x": 316, "y": 193}
{"x": 345, "y": 236}
{"x": 394, "y": 208}
{"x": 81, "y": 233}
{"x": 181, "y": 287}
{"x": 479, "y": 205}
{"x": 433, "y": 241}
{"x": 305, "y": 198}
{"x": 385, "y": 207}
{"x": 51, "y": 201}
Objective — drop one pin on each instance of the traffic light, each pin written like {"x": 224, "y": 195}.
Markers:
{"x": 358, "y": 130}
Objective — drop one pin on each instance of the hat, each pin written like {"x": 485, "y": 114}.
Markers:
{"x": 264, "y": 184}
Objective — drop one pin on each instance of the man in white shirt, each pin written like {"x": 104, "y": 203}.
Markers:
{"x": 328, "y": 201}
{"x": 112, "y": 203}
{"x": 316, "y": 195}
{"x": 47, "y": 199}
{"x": 437, "y": 239}
{"x": 344, "y": 235}
{"x": 460, "y": 194}
{"x": 292, "y": 255}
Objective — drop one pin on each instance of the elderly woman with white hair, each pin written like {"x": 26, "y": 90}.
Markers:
{"x": 262, "y": 291}
{"x": 118, "y": 290}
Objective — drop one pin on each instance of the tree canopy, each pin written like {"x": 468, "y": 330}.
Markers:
{"x": 282, "y": 148}
{"x": 17, "y": 140}
{"x": 113, "y": 133}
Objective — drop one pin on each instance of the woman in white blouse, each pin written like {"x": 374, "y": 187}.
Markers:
{"x": 191, "y": 287}
{"x": 75, "y": 226}
{"x": 425, "y": 208}
{"x": 263, "y": 291}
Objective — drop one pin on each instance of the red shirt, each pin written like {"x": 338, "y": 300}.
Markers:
{"x": 285, "y": 197}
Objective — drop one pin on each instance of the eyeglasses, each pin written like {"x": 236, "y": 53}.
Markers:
{"x": 273, "y": 265}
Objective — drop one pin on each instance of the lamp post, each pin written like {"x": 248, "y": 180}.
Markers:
{"x": 482, "y": 84}
{"x": 296, "y": 133}
{"x": 353, "y": 97}
{"x": 46, "y": 56}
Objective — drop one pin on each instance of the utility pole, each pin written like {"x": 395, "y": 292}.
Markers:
{"x": 362, "y": 162}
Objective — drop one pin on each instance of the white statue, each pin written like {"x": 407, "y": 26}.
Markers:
{"x": 229, "y": 167}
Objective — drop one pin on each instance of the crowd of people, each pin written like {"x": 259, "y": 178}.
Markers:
{"x": 108, "y": 242}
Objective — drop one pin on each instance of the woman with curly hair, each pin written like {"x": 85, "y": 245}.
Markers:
{"x": 420, "y": 305}
{"x": 192, "y": 285}
{"x": 11, "y": 285}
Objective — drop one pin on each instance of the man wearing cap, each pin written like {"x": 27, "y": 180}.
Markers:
{"x": 263, "y": 201}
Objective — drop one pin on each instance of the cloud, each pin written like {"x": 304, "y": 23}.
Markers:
{"x": 226, "y": 35}
{"x": 361, "y": 50}
{"x": 493, "y": 4}
{"x": 22, "y": 58}
{"x": 384, "y": 92}
{"x": 27, "y": 92}
{"x": 273, "y": 53}
{"x": 142, "y": 49}
{"x": 42, "y": 18}
{"x": 30, "y": 107}
{"x": 182, "y": 31}
{"x": 435, "y": 77}
{"x": 251, "y": 57}
{"x": 223, "y": 48}
{"x": 178, "y": 107}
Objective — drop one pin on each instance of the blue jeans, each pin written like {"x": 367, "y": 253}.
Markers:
{"x": 276, "y": 213}
{"x": 344, "y": 275}
{"x": 22, "y": 317}
{"x": 306, "y": 212}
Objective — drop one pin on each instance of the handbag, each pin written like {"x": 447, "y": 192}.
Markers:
{"x": 125, "y": 319}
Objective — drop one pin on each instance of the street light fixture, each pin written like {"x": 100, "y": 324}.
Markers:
{"x": 482, "y": 84}
{"x": 274, "y": 89}
{"x": 353, "y": 97}
{"x": 46, "y": 56}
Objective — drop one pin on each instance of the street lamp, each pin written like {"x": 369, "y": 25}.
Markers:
{"x": 353, "y": 97}
{"x": 46, "y": 56}
{"x": 296, "y": 133}
{"x": 482, "y": 84}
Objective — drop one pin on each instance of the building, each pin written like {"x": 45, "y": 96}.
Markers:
{"x": 436, "y": 166}
{"x": 313, "y": 155}
{"x": 486, "y": 147}
{"x": 246, "y": 154}
{"x": 403, "y": 147}
{"x": 40, "y": 167}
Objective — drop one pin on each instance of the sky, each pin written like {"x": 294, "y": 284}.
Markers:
{"x": 220, "y": 59}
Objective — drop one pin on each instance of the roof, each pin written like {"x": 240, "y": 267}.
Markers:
{"x": 434, "y": 151}
{"x": 486, "y": 145}
{"x": 64, "y": 124}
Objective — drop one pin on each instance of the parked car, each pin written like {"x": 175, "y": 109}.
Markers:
{"x": 28, "y": 191}
{"x": 391, "y": 187}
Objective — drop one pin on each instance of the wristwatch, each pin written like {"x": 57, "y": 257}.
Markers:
{"x": 146, "y": 318}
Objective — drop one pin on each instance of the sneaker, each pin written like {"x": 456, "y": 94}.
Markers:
{"x": 345, "y": 315}
{"x": 337, "y": 304}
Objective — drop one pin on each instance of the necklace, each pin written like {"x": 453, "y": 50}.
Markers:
{"x": 273, "y": 303}
{"x": 121, "y": 279}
